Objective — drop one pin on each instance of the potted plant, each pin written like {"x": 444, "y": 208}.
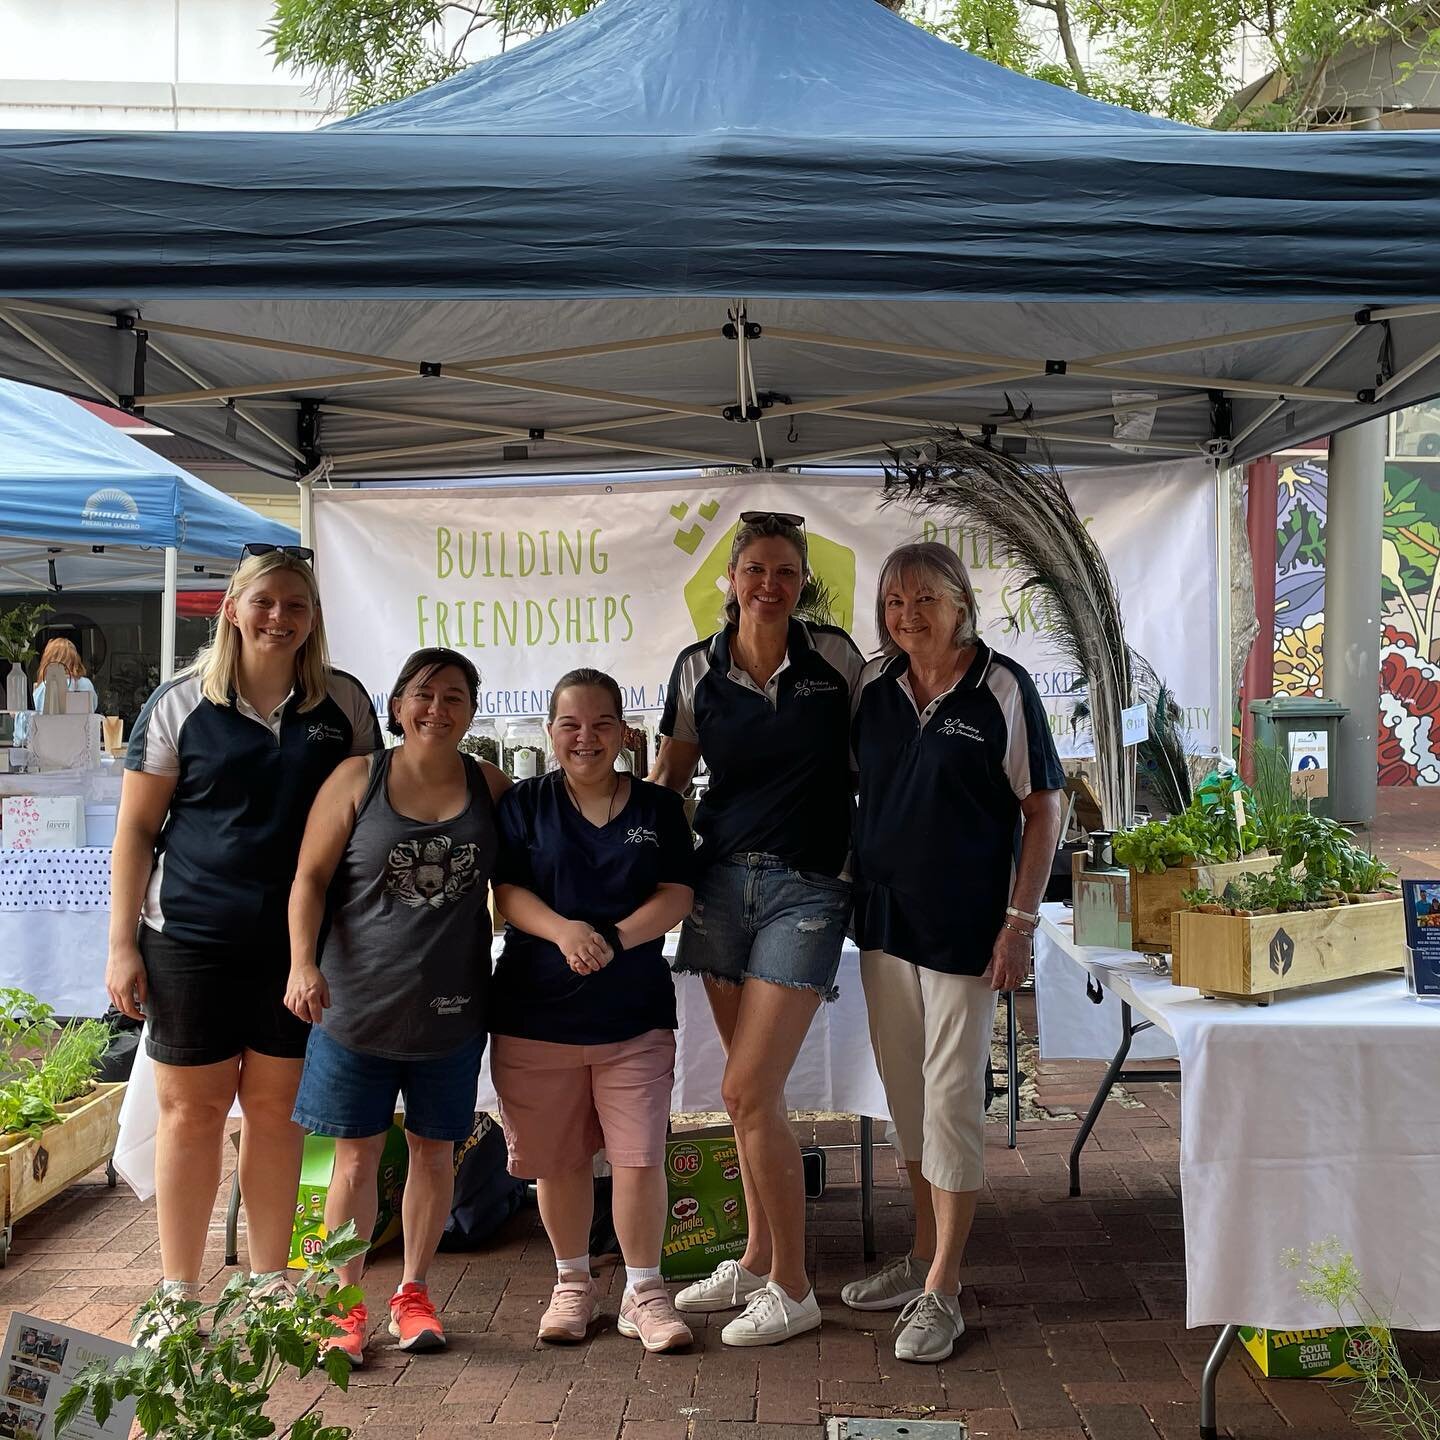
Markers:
{"x": 204, "y": 1370}
{"x": 18, "y": 628}
{"x": 56, "y": 1123}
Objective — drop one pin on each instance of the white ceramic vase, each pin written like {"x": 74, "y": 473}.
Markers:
{"x": 17, "y": 691}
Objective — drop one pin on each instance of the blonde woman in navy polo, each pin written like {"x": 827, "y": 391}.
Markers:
{"x": 222, "y": 767}
{"x": 766, "y": 703}
{"x": 958, "y": 820}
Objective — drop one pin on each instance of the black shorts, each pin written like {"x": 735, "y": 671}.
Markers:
{"x": 207, "y": 1003}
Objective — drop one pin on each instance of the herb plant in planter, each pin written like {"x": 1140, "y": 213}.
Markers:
{"x": 190, "y": 1385}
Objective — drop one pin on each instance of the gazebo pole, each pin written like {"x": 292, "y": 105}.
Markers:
{"x": 167, "y": 613}
{"x": 1354, "y": 518}
{"x": 1224, "y": 682}
{"x": 307, "y": 512}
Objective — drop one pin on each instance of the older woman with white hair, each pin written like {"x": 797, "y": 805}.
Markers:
{"x": 959, "y": 816}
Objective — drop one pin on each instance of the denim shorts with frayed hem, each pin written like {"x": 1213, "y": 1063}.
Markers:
{"x": 755, "y": 918}
{"x": 350, "y": 1095}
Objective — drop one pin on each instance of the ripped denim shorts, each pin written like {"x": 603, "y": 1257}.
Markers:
{"x": 755, "y": 918}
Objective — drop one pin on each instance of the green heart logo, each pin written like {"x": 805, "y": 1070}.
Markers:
{"x": 689, "y": 540}
{"x": 708, "y": 511}
{"x": 679, "y": 511}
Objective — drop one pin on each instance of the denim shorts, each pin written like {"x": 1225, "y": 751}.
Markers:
{"x": 756, "y": 918}
{"x": 351, "y": 1095}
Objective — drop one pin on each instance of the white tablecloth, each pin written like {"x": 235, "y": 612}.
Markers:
{"x": 835, "y": 1071}
{"x": 1314, "y": 1117}
{"x": 1071, "y": 1026}
{"x": 54, "y": 926}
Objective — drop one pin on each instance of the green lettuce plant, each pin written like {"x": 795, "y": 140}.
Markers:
{"x": 188, "y": 1385}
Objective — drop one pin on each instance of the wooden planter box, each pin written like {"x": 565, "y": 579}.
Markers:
{"x": 34, "y": 1171}
{"x": 1155, "y": 898}
{"x": 1252, "y": 956}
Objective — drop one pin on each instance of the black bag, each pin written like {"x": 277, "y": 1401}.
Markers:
{"x": 486, "y": 1193}
{"x": 119, "y": 1057}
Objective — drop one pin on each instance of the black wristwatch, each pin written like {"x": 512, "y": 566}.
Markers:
{"x": 611, "y": 936}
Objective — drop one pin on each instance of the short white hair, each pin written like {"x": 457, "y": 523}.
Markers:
{"x": 928, "y": 562}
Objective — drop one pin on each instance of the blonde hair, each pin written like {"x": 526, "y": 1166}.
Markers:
{"x": 218, "y": 663}
{"x": 928, "y": 562}
{"x": 62, "y": 652}
{"x": 765, "y": 527}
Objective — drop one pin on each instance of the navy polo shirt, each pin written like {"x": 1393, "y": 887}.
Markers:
{"x": 598, "y": 874}
{"x": 225, "y": 857}
{"x": 779, "y": 758}
{"x": 938, "y": 827}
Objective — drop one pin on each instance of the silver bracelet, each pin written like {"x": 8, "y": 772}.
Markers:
{"x": 1023, "y": 914}
{"x": 1028, "y": 934}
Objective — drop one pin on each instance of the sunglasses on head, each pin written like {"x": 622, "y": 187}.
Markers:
{"x": 260, "y": 547}
{"x": 756, "y": 517}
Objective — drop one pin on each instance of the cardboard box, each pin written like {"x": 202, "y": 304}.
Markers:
{"x": 43, "y": 822}
{"x": 316, "y": 1167}
{"x": 706, "y": 1222}
{"x": 1334, "y": 1353}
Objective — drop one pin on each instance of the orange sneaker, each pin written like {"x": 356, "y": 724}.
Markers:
{"x": 351, "y": 1338}
{"x": 413, "y": 1321}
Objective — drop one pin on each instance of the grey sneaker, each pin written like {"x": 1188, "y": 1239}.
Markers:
{"x": 889, "y": 1288}
{"x": 729, "y": 1288}
{"x": 929, "y": 1327}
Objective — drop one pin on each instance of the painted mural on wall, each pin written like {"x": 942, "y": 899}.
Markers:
{"x": 1410, "y": 658}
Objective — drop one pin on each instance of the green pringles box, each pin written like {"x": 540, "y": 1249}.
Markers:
{"x": 1334, "y": 1353}
{"x": 316, "y": 1167}
{"x": 706, "y": 1222}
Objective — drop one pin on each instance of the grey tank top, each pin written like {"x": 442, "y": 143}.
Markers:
{"x": 407, "y": 950}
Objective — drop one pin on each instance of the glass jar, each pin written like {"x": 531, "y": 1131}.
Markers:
{"x": 483, "y": 742}
{"x": 634, "y": 746}
{"x": 524, "y": 749}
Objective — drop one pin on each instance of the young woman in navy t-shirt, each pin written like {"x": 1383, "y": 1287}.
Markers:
{"x": 595, "y": 866}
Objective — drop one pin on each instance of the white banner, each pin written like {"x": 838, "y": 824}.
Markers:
{"x": 530, "y": 583}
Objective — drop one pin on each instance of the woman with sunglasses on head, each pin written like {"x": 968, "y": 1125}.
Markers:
{"x": 399, "y": 854}
{"x": 595, "y": 868}
{"x": 766, "y": 703}
{"x": 223, "y": 764}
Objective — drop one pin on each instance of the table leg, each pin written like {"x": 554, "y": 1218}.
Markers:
{"x": 1012, "y": 1063}
{"x": 1207, "y": 1382}
{"x": 867, "y": 1185}
{"x": 1129, "y": 1029}
{"x": 232, "y": 1222}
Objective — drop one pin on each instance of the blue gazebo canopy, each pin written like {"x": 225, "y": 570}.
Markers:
{"x": 531, "y": 264}
{"x": 71, "y": 482}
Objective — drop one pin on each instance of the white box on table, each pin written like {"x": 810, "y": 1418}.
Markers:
{"x": 43, "y": 822}
{"x": 65, "y": 742}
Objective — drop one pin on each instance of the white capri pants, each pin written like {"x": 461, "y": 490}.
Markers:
{"x": 931, "y": 1033}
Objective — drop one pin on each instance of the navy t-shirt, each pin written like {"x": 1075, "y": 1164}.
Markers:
{"x": 779, "y": 758}
{"x": 225, "y": 858}
{"x": 598, "y": 874}
{"x": 938, "y": 826}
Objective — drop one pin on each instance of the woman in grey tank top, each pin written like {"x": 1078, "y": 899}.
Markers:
{"x": 390, "y": 961}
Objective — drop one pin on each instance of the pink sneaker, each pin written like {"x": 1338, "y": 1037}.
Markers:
{"x": 413, "y": 1321}
{"x": 647, "y": 1315}
{"x": 574, "y": 1306}
{"x": 351, "y": 1338}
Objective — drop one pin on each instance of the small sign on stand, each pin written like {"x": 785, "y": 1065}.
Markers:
{"x": 1309, "y": 763}
{"x": 1422, "y": 938}
{"x": 39, "y": 1364}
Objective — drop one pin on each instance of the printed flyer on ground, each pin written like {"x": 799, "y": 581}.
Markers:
{"x": 40, "y": 1362}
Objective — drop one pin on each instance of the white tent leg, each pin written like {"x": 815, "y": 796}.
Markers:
{"x": 307, "y": 512}
{"x": 1224, "y": 684}
{"x": 167, "y": 613}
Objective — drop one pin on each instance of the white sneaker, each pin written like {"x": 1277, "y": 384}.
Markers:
{"x": 729, "y": 1288}
{"x": 772, "y": 1316}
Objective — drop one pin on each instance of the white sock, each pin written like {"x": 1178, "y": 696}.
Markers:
{"x": 580, "y": 1265}
{"x": 635, "y": 1274}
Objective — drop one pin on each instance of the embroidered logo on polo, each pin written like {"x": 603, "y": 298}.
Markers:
{"x": 639, "y": 835}
{"x": 804, "y": 688}
{"x": 960, "y": 728}
{"x": 322, "y": 732}
{"x": 430, "y": 874}
{"x": 449, "y": 1004}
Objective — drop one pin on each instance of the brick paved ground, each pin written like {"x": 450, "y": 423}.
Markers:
{"x": 1075, "y": 1308}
